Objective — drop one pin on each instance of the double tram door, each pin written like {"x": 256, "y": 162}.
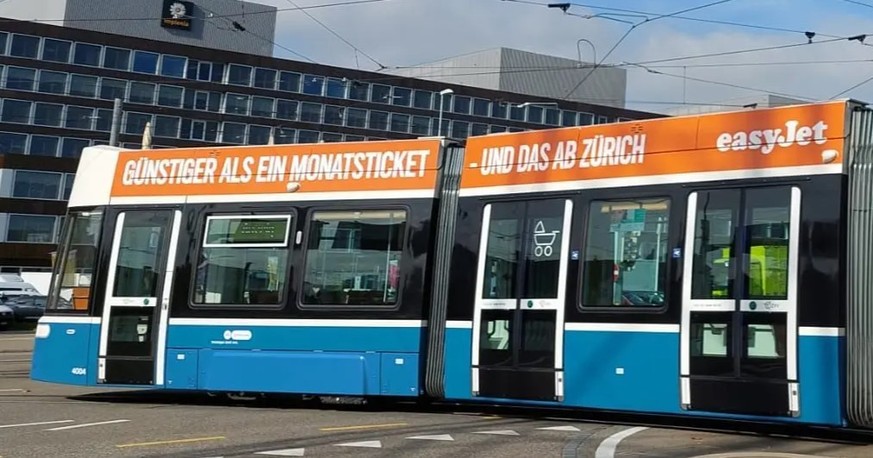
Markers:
{"x": 521, "y": 282}
{"x": 133, "y": 328}
{"x": 739, "y": 301}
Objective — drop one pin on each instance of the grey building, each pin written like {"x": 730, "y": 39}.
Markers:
{"x": 522, "y": 72}
{"x": 214, "y": 23}
{"x": 57, "y": 86}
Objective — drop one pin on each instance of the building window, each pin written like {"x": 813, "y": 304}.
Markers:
{"x": 462, "y": 104}
{"x": 3, "y": 38}
{"x": 170, "y": 96}
{"x": 421, "y": 125}
{"x": 36, "y": 185}
{"x": 568, "y": 118}
{"x": 497, "y": 129}
{"x": 211, "y": 131}
{"x": 460, "y": 129}
{"x": 626, "y": 248}
{"x": 378, "y": 120}
{"x": 83, "y": 86}
{"x": 259, "y": 135}
{"x": 173, "y": 66}
{"x": 43, "y": 145}
{"x": 336, "y": 88}
{"x": 234, "y": 133}
{"x": 353, "y": 258}
{"x": 239, "y": 75}
{"x": 399, "y": 122}
{"x": 402, "y": 96}
{"x": 499, "y": 110}
{"x": 310, "y": 112}
{"x": 289, "y": 82}
{"x": 602, "y": 119}
{"x": 284, "y": 136}
{"x": 68, "y": 188}
{"x": 552, "y": 116}
{"x": 286, "y": 109}
{"x": 143, "y": 93}
{"x": 356, "y": 117}
{"x": 136, "y": 122}
{"x": 535, "y": 114}
{"x": 516, "y": 113}
{"x": 355, "y": 138}
{"x": 204, "y": 71}
{"x": 265, "y": 78}
{"x": 167, "y": 126}
{"x": 31, "y": 228}
{"x": 422, "y": 99}
{"x": 85, "y": 54}
{"x": 48, "y": 114}
{"x": 380, "y": 93}
{"x": 243, "y": 261}
{"x": 333, "y": 115}
{"x": 116, "y": 59}
{"x": 20, "y": 79}
{"x": 478, "y": 129}
{"x": 263, "y": 107}
{"x": 236, "y": 104}
{"x": 307, "y": 136}
{"x": 330, "y": 137}
{"x": 111, "y": 89}
{"x": 214, "y": 104}
{"x": 104, "y": 120}
{"x": 313, "y": 85}
{"x": 52, "y": 82}
{"x": 359, "y": 91}
{"x": 145, "y": 62}
{"x": 586, "y": 119}
{"x": 17, "y": 111}
{"x": 12, "y": 143}
{"x": 72, "y": 147}
{"x": 24, "y": 46}
{"x": 78, "y": 117}
{"x": 481, "y": 107}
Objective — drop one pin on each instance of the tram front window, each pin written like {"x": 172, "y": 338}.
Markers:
{"x": 74, "y": 262}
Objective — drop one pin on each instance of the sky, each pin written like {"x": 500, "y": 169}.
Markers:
{"x": 398, "y": 33}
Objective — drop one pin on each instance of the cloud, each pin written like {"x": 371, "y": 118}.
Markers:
{"x": 410, "y": 32}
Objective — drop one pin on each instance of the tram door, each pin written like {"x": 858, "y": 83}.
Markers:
{"x": 133, "y": 329}
{"x": 739, "y": 301}
{"x": 519, "y": 309}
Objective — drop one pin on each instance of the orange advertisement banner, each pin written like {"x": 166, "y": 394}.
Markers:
{"x": 323, "y": 167}
{"x": 796, "y": 136}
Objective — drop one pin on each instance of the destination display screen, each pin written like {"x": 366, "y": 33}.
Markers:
{"x": 234, "y": 231}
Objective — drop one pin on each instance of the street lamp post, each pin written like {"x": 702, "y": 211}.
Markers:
{"x": 443, "y": 93}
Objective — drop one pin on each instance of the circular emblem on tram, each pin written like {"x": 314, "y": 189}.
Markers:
{"x": 529, "y": 304}
{"x": 145, "y": 302}
{"x": 227, "y": 335}
{"x": 753, "y": 305}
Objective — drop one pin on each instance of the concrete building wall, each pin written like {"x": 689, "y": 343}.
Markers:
{"x": 532, "y": 74}
{"x": 211, "y": 22}
{"x": 49, "y": 11}
{"x": 739, "y": 103}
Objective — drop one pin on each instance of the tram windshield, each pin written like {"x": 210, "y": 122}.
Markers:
{"x": 74, "y": 262}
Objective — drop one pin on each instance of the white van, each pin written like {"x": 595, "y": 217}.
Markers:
{"x": 14, "y": 285}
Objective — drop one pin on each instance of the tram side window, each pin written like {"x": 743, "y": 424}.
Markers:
{"x": 353, "y": 258}
{"x": 243, "y": 261}
{"x": 74, "y": 262}
{"x": 626, "y": 253}
{"x": 714, "y": 257}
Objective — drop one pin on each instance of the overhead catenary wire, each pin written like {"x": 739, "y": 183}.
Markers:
{"x": 334, "y": 33}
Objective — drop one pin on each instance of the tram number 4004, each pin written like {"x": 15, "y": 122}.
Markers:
{"x": 78, "y": 371}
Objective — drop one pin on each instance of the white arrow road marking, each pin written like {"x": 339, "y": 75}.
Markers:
{"x": 560, "y": 428}
{"x": 435, "y": 437}
{"x": 285, "y": 452}
{"x": 370, "y": 444}
{"x": 503, "y": 432}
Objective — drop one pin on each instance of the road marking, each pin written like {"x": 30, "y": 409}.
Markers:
{"x": 85, "y": 425}
{"x": 12, "y": 390}
{"x": 39, "y": 423}
{"x": 353, "y": 428}
{"x": 502, "y": 432}
{"x": 10, "y": 339}
{"x": 174, "y": 441}
{"x": 14, "y": 360}
{"x": 606, "y": 449}
{"x": 368, "y": 444}
{"x": 435, "y": 437}
{"x": 560, "y": 428}
{"x": 758, "y": 454}
{"x": 286, "y": 452}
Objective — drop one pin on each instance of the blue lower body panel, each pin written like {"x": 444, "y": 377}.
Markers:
{"x": 64, "y": 353}
{"x": 638, "y": 371}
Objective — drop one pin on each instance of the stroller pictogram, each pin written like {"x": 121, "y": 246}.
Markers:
{"x": 543, "y": 240}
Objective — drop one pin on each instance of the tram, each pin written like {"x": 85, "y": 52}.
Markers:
{"x": 713, "y": 265}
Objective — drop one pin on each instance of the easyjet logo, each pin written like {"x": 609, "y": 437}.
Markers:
{"x": 767, "y": 140}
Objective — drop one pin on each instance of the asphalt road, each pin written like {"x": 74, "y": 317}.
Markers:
{"x": 42, "y": 420}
